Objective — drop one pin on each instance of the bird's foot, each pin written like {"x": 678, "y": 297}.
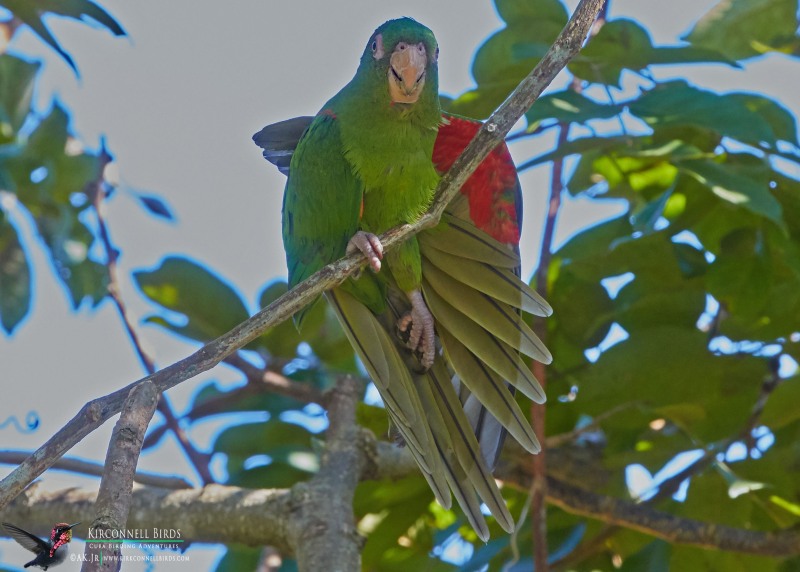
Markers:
{"x": 369, "y": 245}
{"x": 420, "y": 336}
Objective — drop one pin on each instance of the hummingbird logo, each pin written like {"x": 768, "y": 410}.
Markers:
{"x": 48, "y": 552}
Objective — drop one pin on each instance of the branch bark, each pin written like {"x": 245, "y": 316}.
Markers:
{"x": 322, "y": 529}
{"x": 114, "y": 498}
{"x": 99, "y": 410}
{"x": 220, "y": 514}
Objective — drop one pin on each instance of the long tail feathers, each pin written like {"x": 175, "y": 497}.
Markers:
{"x": 454, "y": 417}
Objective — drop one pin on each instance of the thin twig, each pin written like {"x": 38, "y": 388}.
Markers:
{"x": 99, "y": 410}
{"x": 564, "y": 438}
{"x": 92, "y": 469}
{"x": 96, "y": 191}
{"x": 269, "y": 380}
{"x": 539, "y": 462}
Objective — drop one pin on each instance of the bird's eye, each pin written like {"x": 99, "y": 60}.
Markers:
{"x": 377, "y": 47}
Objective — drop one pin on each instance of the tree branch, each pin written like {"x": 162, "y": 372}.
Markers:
{"x": 671, "y": 528}
{"x": 114, "y": 498}
{"x": 322, "y": 528}
{"x": 220, "y": 514}
{"x": 99, "y": 410}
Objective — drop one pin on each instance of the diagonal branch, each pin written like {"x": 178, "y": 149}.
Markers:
{"x": 99, "y": 410}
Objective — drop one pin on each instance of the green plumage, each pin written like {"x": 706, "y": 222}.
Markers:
{"x": 365, "y": 164}
{"x": 363, "y": 150}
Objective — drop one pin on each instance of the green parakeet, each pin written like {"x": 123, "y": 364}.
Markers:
{"x": 437, "y": 323}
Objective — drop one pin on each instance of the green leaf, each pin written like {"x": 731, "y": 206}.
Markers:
{"x": 509, "y": 54}
{"x": 239, "y": 559}
{"x": 681, "y": 55}
{"x": 737, "y": 486}
{"x": 742, "y": 29}
{"x": 210, "y": 307}
{"x": 654, "y": 558}
{"x": 787, "y": 191}
{"x": 620, "y": 44}
{"x": 17, "y": 79}
{"x": 15, "y": 277}
{"x": 250, "y": 439}
{"x": 738, "y": 185}
{"x": 781, "y": 408}
{"x": 581, "y": 145}
{"x": 676, "y": 103}
{"x": 583, "y": 307}
{"x": 212, "y": 400}
{"x": 520, "y": 11}
{"x": 779, "y": 118}
{"x": 691, "y": 559}
{"x": 742, "y": 273}
{"x": 568, "y": 106}
{"x": 31, "y": 13}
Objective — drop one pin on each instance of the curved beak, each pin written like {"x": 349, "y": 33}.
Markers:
{"x": 407, "y": 72}
{"x": 71, "y": 526}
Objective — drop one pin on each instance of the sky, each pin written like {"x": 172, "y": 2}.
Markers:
{"x": 177, "y": 102}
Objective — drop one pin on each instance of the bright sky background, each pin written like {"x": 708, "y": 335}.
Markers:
{"x": 177, "y": 103}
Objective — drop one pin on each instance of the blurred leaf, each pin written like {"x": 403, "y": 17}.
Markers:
{"x": 156, "y": 205}
{"x": 210, "y": 399}
{"x": 737, "y": 186}
{"x": 154, "y": 436}
{"x": 584, "y": 309}
{"x": 677, "y": 103}
{"x": 373, "y": 418}
{"x": 620, "y": 44}
{"x": 15, "y": 277}
{"x": 680, "y": 55}
{"x": 781, "y": 408}
{"x": 737, "y": 486}
{"x": 249, "y": 439}
{"x": 32, "y": 13}
{"x": 741, "y": 274}
{"x": 780, "y": 119}
{"x": 742, "y": 29}
{"x": 321, "y": 330}
{"x": 209, "y": 306}
{"x": 568, "y": 106}
{"x": 691, "y": 558}
{"x": 17, "y": 78}
{"x": 509, "y": 54}
{"x": 517, "y": 11}
{"x": 654, "y": 558}
{"x": 239, "y": 559}
{"x": 276, "y": 475}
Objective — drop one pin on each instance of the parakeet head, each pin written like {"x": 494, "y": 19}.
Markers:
{"x": 401, "y": 56}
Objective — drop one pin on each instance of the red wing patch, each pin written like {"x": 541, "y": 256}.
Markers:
{"x": 491, "y": 189}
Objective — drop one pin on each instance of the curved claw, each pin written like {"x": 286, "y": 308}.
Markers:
{"x": 421, "y": 337}
{"x": 369, "y": 245}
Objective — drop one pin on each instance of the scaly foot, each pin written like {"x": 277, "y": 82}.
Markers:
{"x": 420, "y": 320}
{"x": 369, "y": 245}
